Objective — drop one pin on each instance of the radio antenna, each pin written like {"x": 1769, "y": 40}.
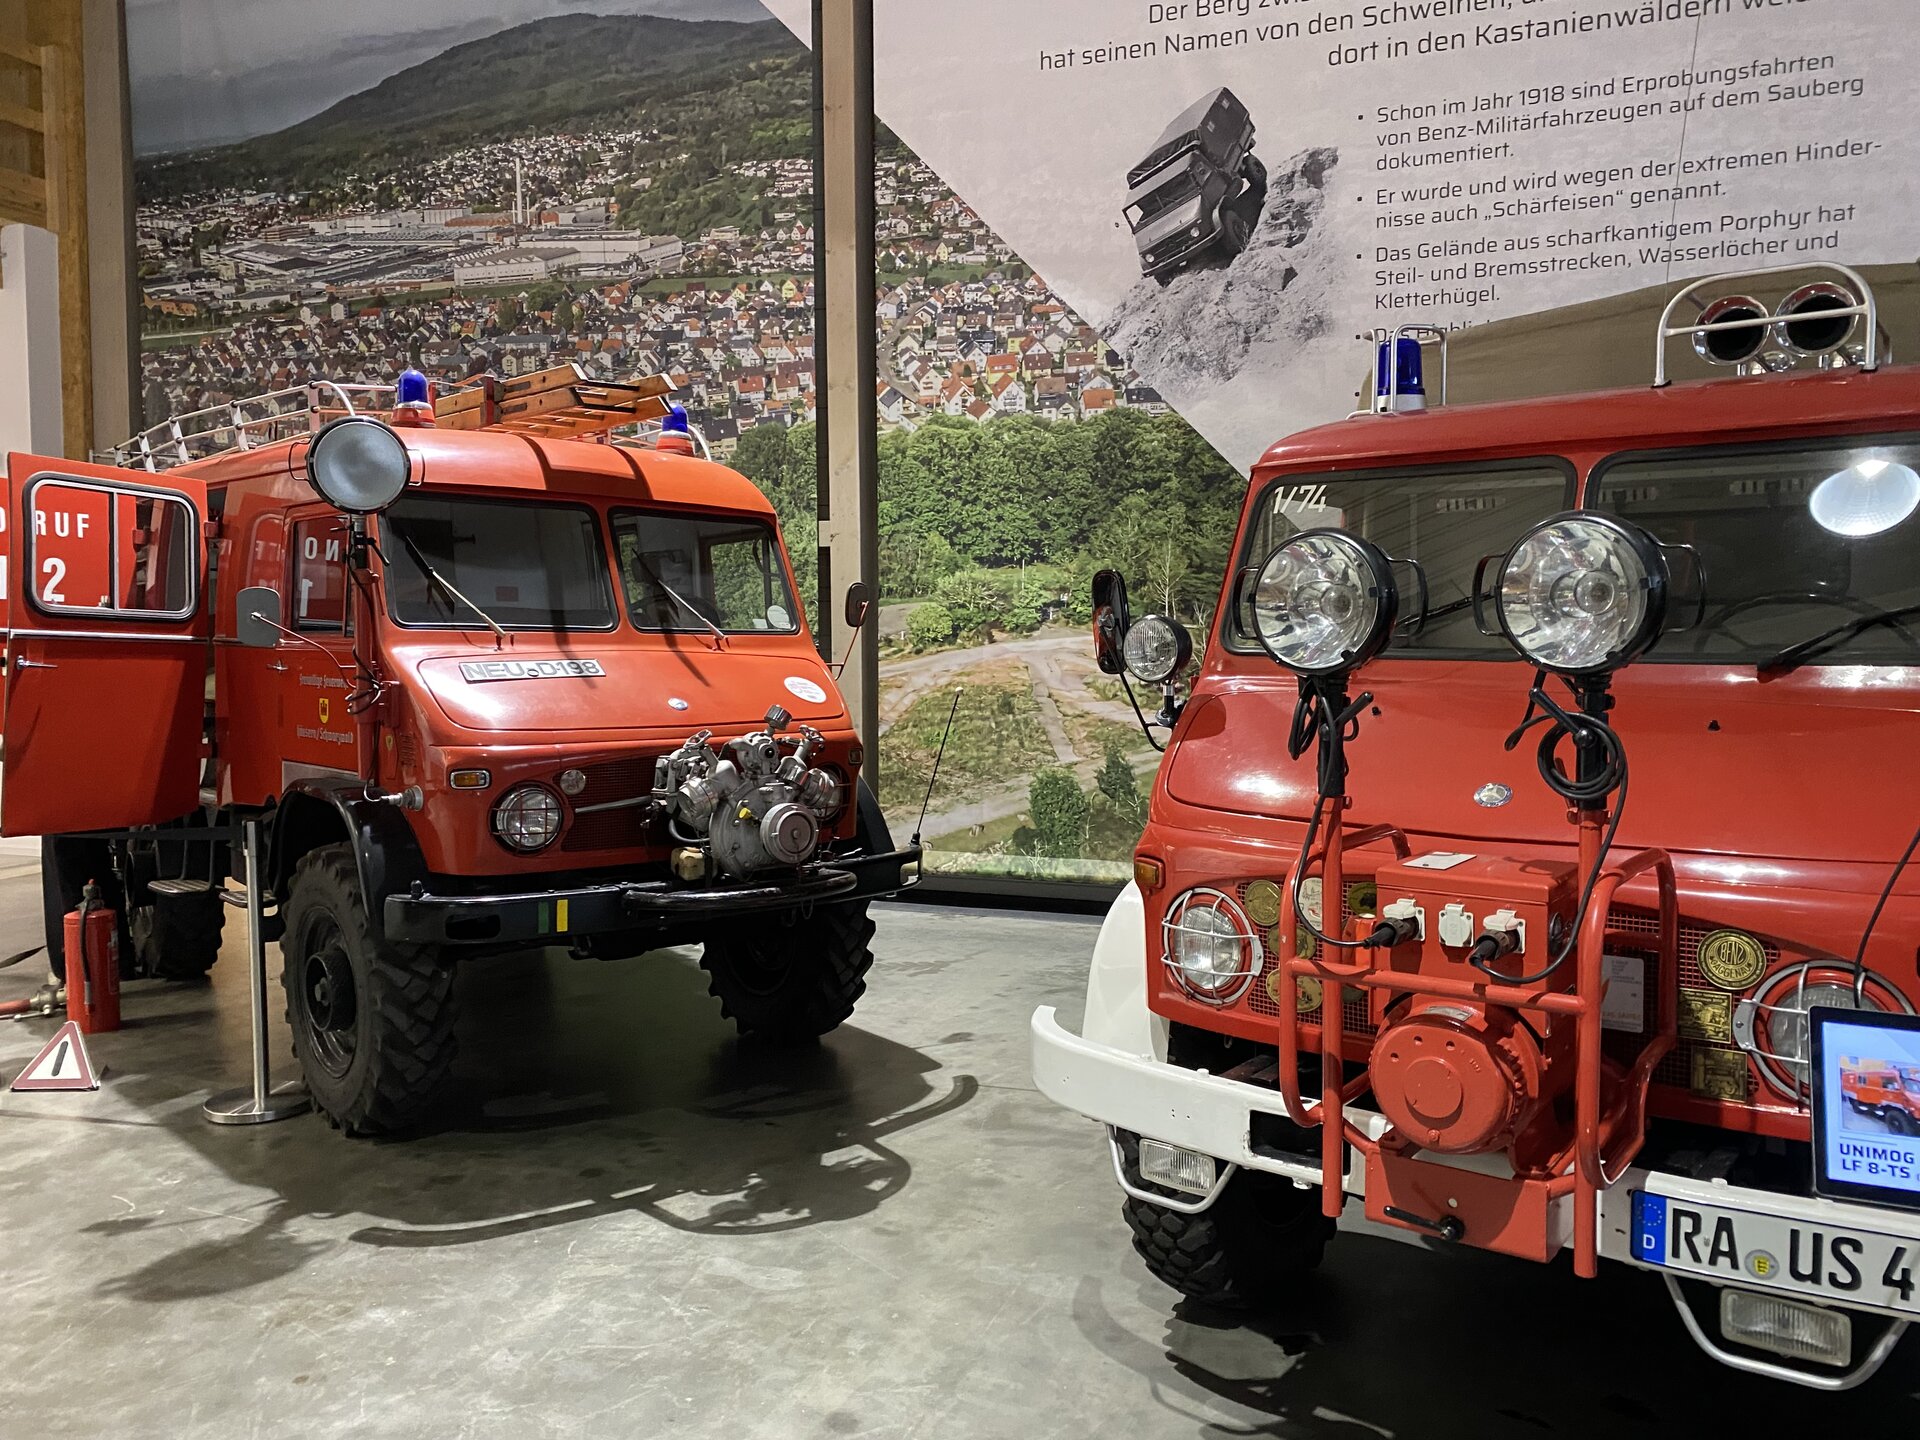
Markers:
{"x": 939, "y": 755}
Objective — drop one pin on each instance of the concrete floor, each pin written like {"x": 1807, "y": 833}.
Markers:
{"x": 633, "y": 1225}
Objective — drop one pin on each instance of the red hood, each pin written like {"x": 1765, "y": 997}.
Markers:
{"x": 1820, "y": 765}
{"x": 725, "y": 691}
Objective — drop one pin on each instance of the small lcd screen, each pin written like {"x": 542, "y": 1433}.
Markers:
{"x": 1866, "y": 1095}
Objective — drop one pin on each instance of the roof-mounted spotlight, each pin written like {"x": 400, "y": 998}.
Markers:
{"x": 1325, "y": 603}
{"x": 359, "y": 465}
{"x": 1582, "y": 594}
{"x": 1735, "y": 346}
{"x": 1817, "y": 319}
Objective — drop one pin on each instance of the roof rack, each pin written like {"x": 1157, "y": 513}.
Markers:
{"x": 560, "y": 403}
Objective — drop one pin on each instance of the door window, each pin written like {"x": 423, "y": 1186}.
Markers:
{"x": 104, "y": 550}
{"x": 320, "y": 575}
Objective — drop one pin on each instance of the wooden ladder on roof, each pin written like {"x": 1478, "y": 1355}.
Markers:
{"x": 560, "y": 403}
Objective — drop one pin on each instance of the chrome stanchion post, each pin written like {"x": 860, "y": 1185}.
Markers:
{"x": 260, "y": 1102}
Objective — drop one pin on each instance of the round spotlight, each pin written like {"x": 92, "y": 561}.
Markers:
{"x": 1806, "y": 324}
{"x": 1325, "y": 602}
{"x": 1157, "y": 649}
{"x": 527, "y": 818}
{"x": 1732, "y": 347}
{"x": 1867, "y": 498}
{"x": 359, "y": 465}
{"x": 571, "y": 782}
{"x": 1582, "y": 593}
{"x": 1774, "y": 1026}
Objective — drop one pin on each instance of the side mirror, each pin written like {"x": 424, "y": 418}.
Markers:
{"x": 859, "y": 604}
{"x": 1111, "y": 621}
{"x": 257, "y": 621}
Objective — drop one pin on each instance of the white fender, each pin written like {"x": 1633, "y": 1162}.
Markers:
{"x": 1117, "y": 1013}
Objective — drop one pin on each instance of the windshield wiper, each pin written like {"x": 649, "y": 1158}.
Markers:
{"x": 434, "y": 577}
{"x": 1801, "y": 651}
{"x": 679, "y": 599}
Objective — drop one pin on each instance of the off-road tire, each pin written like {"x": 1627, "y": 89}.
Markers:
{"x": 177, "y": 937}
{"x": 793, "y": 977}
{"x": 1234, "y": 1255}
{"x": 379, "y": 1067}
{"x": 1899, "y": 1121}
{"x": 1254, "y": 172}
{"x": 1236, "y": 230}
{"x": 1164, "y": 279}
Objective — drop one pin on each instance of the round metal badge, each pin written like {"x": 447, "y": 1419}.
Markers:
{"x": 1492, "y": 795}
{"x": 1263, "y": 902}
{"x": 676, "y": 703}
{"x": 1732, "y": 959}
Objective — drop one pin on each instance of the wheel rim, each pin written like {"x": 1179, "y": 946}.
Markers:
{"x": 761, "y": 969}
{"x": 329, "y": 1000}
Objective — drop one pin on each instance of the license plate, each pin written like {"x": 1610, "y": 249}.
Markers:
{"x": 1747, "y": 1247}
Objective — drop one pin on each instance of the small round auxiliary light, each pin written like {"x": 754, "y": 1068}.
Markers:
{"x": 1325, "y": 602}
{"x": 1867, "y": 498}
{"x": 571, "y": 782}
{"x": 1733, "y": 347}
{"x": 1582, "y": 593}
{"x": 1157, "y": 649}
{"x": 359, "y": 465}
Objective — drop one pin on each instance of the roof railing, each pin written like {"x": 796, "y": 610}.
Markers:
{"x": 559, "y": 403}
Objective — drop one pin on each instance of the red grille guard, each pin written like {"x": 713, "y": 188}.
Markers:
{"x": 1604, "y": 1141}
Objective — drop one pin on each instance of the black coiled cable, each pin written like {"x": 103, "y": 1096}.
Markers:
{"x": 1599, "y": 771}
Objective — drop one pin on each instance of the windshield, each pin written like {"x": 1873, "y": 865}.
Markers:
{"x": 1179, "y": 188}
{"x": 1774, "y": 575}
{"x": 701, "y": 572}
{"x": 1445, "y": 519}
{"x": 528, "y": 567}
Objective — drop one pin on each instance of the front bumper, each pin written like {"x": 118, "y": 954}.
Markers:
{"x": 557, "y": 916}
{"x": 1217, "y": 1116}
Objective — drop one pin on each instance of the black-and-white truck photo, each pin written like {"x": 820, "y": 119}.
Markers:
{"x": 1200, "y": 189}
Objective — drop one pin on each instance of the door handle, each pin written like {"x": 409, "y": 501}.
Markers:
{"x": 277, "y": 665}
{"x": 23, "y": 663}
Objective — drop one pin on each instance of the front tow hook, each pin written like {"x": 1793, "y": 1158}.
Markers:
{"x": 1448, "y": 1227}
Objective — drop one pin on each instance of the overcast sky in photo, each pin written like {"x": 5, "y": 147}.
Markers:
{"x": 209, "y": 71}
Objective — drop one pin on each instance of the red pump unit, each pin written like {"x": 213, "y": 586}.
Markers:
{"x": 91, "y": 944}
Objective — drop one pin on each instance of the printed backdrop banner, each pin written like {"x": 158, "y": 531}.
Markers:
{"x": 1445, "y": 161}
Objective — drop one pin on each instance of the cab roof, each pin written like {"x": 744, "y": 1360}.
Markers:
{"x": 488, "y": 460}
{"x": 1703, "y": 412}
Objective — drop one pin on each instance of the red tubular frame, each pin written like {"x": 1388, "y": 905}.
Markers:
{"x": 1583, "y": 1168}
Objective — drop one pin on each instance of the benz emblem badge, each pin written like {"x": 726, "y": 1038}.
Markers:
{"x": 1492, "y": 795}
{"x": 676, "y": 703}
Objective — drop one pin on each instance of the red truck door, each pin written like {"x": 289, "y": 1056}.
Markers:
{"x": 103, "y": 595}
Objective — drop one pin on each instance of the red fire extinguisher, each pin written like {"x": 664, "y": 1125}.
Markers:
{"x": 91, "y": 943}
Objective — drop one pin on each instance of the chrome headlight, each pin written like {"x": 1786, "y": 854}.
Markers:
{"x": 1325, "y": 602}
{"x": 1157, "y": 649}
{"x": 359, "y": 465}
{"x": 1212, "y": 949}
{"x": 1582, "y": 593}
{"x": 527, "y": 818}
{"x": 1774, "y": 1027}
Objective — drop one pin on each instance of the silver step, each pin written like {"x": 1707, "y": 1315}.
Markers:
{"x": 179, "y": 887}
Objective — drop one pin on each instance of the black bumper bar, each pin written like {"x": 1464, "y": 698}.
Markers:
{"x": 610, "y": 907}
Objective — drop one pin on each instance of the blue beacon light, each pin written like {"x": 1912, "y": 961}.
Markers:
{"x": 412, "y": 399}
{"x": 1400, "y": 381}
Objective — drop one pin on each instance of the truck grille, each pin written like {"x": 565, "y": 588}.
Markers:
{"x": 1679, "y": 1068}
{"x": 1260, "y": 1001}
{"x": 613, "y": 829}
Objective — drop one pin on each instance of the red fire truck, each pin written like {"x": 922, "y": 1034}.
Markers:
{"x": 1398, "y": 935}
{"x": 497, "y": 669}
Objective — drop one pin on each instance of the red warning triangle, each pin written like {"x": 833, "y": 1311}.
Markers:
{"x": 62, "y": 1065}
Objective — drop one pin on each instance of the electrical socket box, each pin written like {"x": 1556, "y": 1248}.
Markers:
{"x": 1526, "y": 897}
